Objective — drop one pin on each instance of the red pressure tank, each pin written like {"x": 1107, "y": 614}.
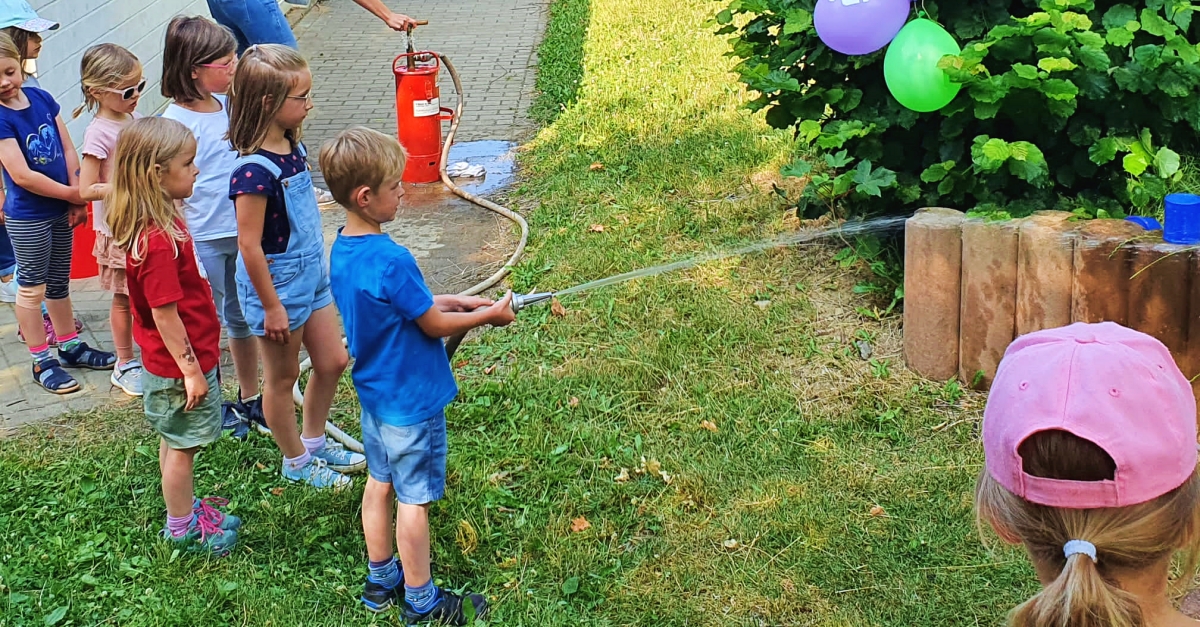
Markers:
{"x": 419, "y": 114}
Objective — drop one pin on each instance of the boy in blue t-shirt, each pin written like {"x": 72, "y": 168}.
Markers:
{"x": 393, "y": 326}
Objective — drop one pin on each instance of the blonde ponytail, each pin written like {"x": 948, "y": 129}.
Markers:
{"x": 1079, "y": 597}
{"x": 1132, "y": 539}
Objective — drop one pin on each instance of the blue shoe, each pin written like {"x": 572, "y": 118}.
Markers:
{"x": 252, "y": 412}
{"x": 128, "y": 377}
{"x": 232, "y": 421}
{"x": 339, "y": 459}
{"x": 203, "y": 537}
{"x": 378, "y": 598}
{"x": 449, "y": 610}
{"x": 317, "y": 474}
{"x": 207, "y": 507}
{"x": 84, "y": 356}
{"x": 50, "y": 375}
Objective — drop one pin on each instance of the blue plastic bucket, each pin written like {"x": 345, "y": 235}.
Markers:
{"x": 1182, "y": 219}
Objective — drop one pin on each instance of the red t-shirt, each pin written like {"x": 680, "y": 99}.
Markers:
{"x": 168, "y": 274}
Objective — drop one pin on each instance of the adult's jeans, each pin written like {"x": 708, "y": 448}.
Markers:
{"x": 8, "y": 259}
{"x": 253, "y": 22}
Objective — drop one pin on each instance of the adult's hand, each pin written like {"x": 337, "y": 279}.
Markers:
{"x": 400, "y": 22}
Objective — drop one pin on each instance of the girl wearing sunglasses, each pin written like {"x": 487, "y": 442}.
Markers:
{"x": 112, "y": 83}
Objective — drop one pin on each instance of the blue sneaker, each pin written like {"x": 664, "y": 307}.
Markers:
{"x": 378, "y": 598}
{"x": 340, "y": 459}
{"x": 207, "y": 507}
{"x": 204, "y": 537}
{"x": 233, "y": 422}
{"x": 317, "y": 474}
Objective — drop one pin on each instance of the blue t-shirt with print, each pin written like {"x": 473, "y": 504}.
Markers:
{"x": 36, "y": 130}
{"x": 402, "y": 376}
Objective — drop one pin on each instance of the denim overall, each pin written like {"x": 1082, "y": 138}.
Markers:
{"x": 300, "y": 274}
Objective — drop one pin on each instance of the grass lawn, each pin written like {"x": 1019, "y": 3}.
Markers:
{"x": 671, "y": 451}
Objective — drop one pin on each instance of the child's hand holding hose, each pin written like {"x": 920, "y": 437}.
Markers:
{"x": 501, "y": 313}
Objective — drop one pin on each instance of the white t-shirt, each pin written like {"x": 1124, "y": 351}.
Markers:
{"x": 209, "y": 212}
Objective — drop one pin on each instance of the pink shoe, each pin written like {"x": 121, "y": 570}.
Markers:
{"x": 51, "y": 337}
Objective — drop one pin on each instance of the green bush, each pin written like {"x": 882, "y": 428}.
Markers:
{"x": 1078, "y": 104}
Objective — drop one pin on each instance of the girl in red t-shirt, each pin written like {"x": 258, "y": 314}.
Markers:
{"x": 174, "y": 319}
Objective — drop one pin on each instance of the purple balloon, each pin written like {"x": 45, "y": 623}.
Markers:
{"x": 859, "y": 26}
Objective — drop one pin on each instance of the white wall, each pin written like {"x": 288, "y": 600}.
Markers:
{"x": 139, "y": 25}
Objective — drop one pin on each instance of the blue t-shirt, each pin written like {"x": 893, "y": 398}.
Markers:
{"x": 252, "y": 178}
{"x": 402, "y": 375}
{"x": 36, "y": 130}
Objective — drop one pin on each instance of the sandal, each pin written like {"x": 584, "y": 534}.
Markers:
{"x": 50, "y": 375}
{"x": 84, "y": 356}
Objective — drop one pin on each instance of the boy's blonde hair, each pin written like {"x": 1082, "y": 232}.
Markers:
{"x": 360, "y": 157}
{"x": 265, "y": 75}
{"x": 1127, "y": 539}
{"x": 191, "y": 42}
{"x": 104, "y": 66}
{"x": 137, "y": 201}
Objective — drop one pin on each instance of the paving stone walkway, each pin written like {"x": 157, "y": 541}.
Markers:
{"x": 492, "y": 44}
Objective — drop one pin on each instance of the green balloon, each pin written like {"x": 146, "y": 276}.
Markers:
{"x": 910, "y": 66}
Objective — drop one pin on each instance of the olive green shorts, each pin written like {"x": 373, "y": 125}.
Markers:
{"x": 164, "y": 400}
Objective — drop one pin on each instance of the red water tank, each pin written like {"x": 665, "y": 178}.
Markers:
{"x": 419, "y": 114}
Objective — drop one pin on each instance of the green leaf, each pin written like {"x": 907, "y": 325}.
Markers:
{"x": 1028, "y": 163}
{"x": 937, "y": 171}
{"x": 1090, "y": 39}
{"x": 1166, "y": 162}
{"x": 777, "y": 80}
{"x": 1103, "y": 151}
{"x": 225, "y": 587}
{"x": 843, "y": 184}
{"x": 1094, "y": 57}
{"x": 1154, "y": 24}
{"x": 797, "y": 21}
{"x": 1056, "y": 64}
{"x": 1135, "y": 164}
{"x": 1076, "y": 21}
{"x": 570, "y": 586}
{"x": 986, "y": 110}
{"x": 870, "y": 181}
{"x": 1059, "y": 89}
{"x": 1119, "y": 37}
{"x": 808, "y": 131}
{"x": 725, "y": 17}
{"x": 991, "y": 90}
{"x": 57, "y": 615}
{"x": 1173, "y": 84}
{"x": 838, "y": 160}
{"x": 1148, "y": 56}
{"x": 989, "y": 154}
{"x": 1118, "y": 15}
{"x": 1025, "y": 71}
{"x": 798, "y": 168}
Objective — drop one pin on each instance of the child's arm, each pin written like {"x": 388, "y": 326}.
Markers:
{"x": 13, "y": 160}
{"x": 456, "y": 302}
{"x": 174, "y": 337}
{"x": 77, "y": 212}
{"x": 90, "y": 187}
{"x": 251, "y": 216}
{"x": 439, "y": 323}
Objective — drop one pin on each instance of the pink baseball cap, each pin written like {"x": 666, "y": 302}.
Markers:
{"x": 1113, "y": 386}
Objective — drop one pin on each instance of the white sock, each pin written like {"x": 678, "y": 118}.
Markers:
{"x": 296, "y": 463}
{"x": 312, "y": 445}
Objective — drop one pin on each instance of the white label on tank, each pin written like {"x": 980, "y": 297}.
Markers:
{"x": 426, "y": 108}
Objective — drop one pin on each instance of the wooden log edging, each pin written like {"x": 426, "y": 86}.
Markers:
{"x": 1019, "y": 276}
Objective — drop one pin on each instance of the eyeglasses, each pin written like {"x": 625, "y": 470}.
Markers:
{"x": 129, "y": 93}
{"x": 221, "y": 66}
{"x": 307, "y": 98}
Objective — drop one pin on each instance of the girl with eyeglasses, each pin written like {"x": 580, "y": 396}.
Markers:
{"x": 198, "y": 63}
{"x": 112, "y": 83}
{"x": 283, "y": 273}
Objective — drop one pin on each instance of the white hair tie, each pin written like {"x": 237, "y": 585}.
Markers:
{"x": 1080, "y": 547}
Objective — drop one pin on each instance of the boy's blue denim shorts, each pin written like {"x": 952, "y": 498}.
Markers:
{"x": 302, "y": 284}
{"x": 412, "y": 458}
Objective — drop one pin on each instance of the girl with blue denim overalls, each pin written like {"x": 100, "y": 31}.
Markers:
{"x": 282, "y": 274}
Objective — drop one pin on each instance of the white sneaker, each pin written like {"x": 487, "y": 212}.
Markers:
{"x": 8, "y": 291}
{"x": 323, "y": 196}
{"x": 128, "y": 377}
